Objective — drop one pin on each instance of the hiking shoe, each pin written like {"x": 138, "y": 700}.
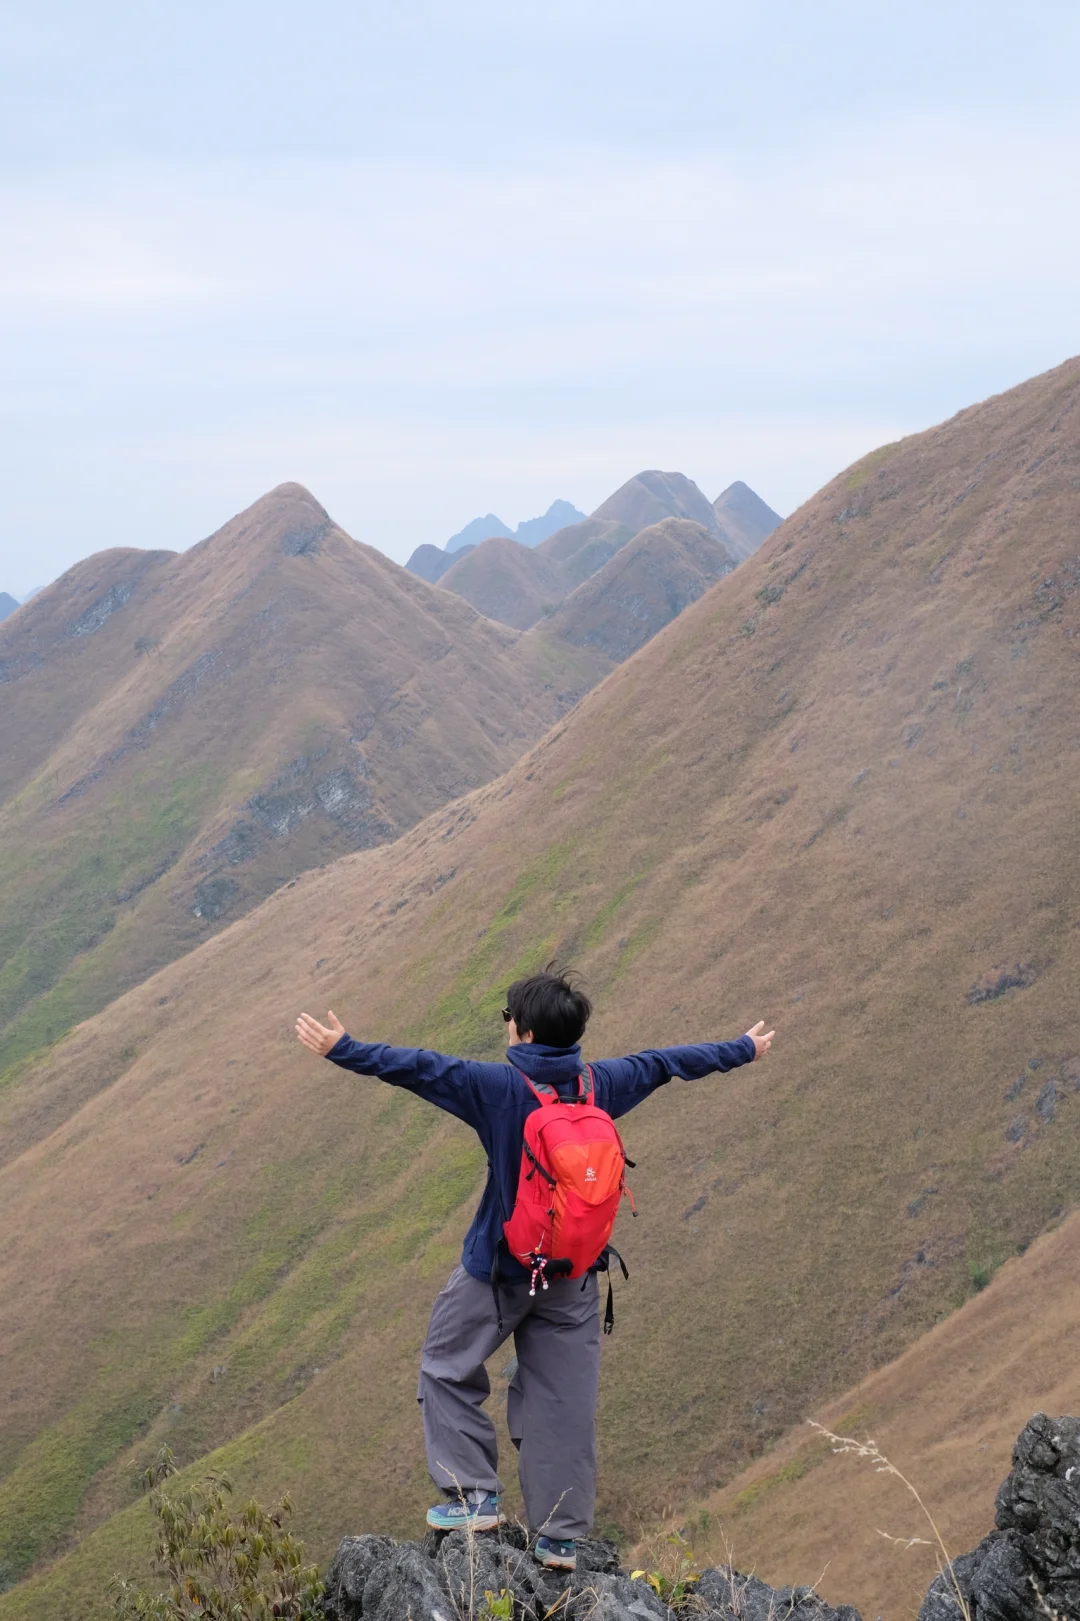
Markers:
{"x": 461, "y": 1514}
{"x": 555, "y": 1554}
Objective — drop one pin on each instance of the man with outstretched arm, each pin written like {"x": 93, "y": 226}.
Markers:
{"x": 551, "y": 1403}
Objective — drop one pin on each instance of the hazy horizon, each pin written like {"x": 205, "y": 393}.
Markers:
{"x": 436, "y": 266}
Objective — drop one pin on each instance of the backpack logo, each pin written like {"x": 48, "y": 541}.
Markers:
{"x": 590, "y": 1175}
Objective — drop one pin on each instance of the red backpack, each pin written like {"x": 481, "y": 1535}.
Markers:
{"x": 570, "y": 1185}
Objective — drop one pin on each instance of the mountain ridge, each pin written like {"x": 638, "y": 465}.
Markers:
{"x": 529, "y": 532}
{"x": 359, "y": 696}
{"x": 837, "y": 791}
{"x": 506, "y": 581}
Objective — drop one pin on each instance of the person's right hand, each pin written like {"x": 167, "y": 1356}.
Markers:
{"x": 316, "y": 1036}
{"x": 762, "y": 1043}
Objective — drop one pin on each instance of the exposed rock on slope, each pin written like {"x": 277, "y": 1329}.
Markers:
{"x": 646, "y": 584}
{"x": 374, "y": 1578}
{"x": 1028, "y": 1568}
{"x": 181, "y": 734}
{"x": 947, "y": 1412}
{"x": 744, "y": 518}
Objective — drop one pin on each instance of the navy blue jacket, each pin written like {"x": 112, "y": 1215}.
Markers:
{"x": 494, "y": 1100}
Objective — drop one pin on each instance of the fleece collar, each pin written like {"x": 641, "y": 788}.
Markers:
{"x": 558, "y": 1066}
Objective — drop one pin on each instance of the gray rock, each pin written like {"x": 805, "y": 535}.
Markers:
{"x": 598, "y": 1596}
{"x": 1028, "y": 1568}
{"x": 353, "y": 1563}
{"x": 724, "y": 1594}
{"x": 405, "y": 1588}
{"x": 1046, "y": 1102}
{"x": 469, "y": 1567}
{"x": 940, "y": 1603}
{"x": 593, "y": 1553}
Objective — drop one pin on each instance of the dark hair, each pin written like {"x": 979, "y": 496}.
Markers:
{"x": 551, "y": 1006}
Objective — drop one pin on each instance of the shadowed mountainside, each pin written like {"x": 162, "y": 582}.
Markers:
{"x": 8, "y": 604}
{"x": 839, "y": 791}
{"x": 181, "y": 734}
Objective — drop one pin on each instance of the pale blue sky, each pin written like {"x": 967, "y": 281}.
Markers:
{"x": 436, "y": 260}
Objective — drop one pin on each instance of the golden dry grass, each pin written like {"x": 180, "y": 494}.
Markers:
{"x": 263, "y": 703}
{"x": 947, "y": 1411}
{"x": 841, "y": 792}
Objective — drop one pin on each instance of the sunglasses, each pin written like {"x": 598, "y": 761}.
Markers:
{"x": 507, "y": 1015}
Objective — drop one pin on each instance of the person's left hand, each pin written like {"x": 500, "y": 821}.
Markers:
{"x": 316, "y": 1036}
{"x": 762, "y": 1043}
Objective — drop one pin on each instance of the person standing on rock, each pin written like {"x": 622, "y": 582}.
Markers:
{"x": 547, "y": 1299}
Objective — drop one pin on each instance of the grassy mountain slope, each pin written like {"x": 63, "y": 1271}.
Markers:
{"x": 649, "y": 497}
{"x": 431, "y": 562}
{"x": 744, "y": 519}
{"x": 840, "y": 791}
{"x": 506, "y": 580}
{"x": 946, "y": 1413}
{"x": 181, "y": 734}
{"x": 645, "y": 585}
{"x": 510, "y": 583}
{"x": 582, "y": 548}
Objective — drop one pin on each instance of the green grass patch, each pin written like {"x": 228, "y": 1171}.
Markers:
{"x": 604, "y": 918}
{"x": 859, "y": 474}
{"x": 465, "y": 1019}
{"x": 41, "y": 1496}
{"x": 62, "y": 898}
{"x": 795, "y": 1469}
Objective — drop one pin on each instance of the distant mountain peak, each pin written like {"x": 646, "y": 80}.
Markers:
{"x": 476, "y": 532}
{"x": 744, "y": 519}
{"x": 8, "y": 604}
{"x": 653, "y": 495}
{"x": 529, "y": 532}
{"x": 287, "y": 518}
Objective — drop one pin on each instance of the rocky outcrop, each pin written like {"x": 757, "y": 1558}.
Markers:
{"x": 1028, "y": 1568}
{"x": 450, "y": 1578}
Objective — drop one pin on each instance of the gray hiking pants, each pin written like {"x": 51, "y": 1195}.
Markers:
{"x": 550, "y": 1406}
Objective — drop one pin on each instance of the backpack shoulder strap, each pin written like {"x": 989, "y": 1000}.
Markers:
{"x": 585, "y": 1085}
{"x": 539, "y": 1089}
